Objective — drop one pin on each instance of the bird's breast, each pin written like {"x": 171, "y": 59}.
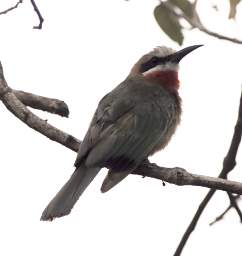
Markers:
{"x": 170, "y": 114}
{"x": 166, "y": 78}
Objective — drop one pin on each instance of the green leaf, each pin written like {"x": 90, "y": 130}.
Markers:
{"x": 169, "y": 23}
{"x": 185, "y": 6}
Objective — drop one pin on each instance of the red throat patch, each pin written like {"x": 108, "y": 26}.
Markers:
{"x": 168, "y": 78}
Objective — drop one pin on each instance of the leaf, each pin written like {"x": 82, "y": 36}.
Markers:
{"x": 169, "y": 23}
{"x": 233, "y": 7}
{"x": 185, "y": 6}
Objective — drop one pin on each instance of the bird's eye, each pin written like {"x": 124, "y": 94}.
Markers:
{"x": 154, "y": 60}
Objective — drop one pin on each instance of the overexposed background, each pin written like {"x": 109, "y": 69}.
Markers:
{"x": 83, "y": 51}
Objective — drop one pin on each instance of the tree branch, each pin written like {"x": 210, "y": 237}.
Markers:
{"x": 50, "y": 105}
{"x": 228, "y": 164}
{"x": 41, "y": 19}
{"x": 36, "y": 9}
{"x": 181, "y": 177}
{"x": 11, "y": 8}
{"x": 176, "y": 175}
{"x": 14, "y": 105}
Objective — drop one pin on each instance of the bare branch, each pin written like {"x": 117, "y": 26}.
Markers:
{"x": 50, "y": 105}
{"x": 11, "y": 8}
{"x": 41, "y": 19}
{"x": 181, "y": 177}
{"x": 177, "y": 175}
{"x": 36, "y": 9}
{"x": 15, "y": 106}
{"x": 228, "y": 164}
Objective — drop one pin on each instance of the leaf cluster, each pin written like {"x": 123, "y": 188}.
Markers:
{"x": 170, "y": 13}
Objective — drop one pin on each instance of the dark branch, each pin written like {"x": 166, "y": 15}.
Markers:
{"x": 228, "y": 164}
{"x": 50, "y": 105}
{"x": 11, "y": 8}
{"x": 41, "y": 19}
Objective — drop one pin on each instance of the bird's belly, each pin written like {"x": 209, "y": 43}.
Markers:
{"x": 167, "y": 133}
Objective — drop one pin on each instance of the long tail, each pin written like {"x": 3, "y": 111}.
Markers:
{"x": 65, "y": 199}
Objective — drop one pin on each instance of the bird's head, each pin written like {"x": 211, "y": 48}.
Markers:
{"x": 161, "y": 65}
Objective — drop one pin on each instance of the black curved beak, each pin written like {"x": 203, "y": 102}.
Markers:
{"x": 176, "y": 57}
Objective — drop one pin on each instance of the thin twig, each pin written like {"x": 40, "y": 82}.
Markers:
{"x": 41, "y": 19}
{"x": 228, "y": 165}
{"x": 50, "y": 105}
{"x": 220, "y": 217}
{"x": 11, "y": 8}
{"x": 176, "y": 175}
{"x": 219, "y": 36}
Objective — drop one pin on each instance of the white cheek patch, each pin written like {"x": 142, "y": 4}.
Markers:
{"x": 163, "y": 67}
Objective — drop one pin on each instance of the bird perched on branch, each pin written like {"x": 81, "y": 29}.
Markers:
{"x": 132, "y": 122}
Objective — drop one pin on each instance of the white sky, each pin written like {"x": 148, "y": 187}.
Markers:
{"x": 84, "y": 50}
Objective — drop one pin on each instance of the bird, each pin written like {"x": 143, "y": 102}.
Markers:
{"x": 132, "y": 122}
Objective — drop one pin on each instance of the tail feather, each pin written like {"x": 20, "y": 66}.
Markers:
{"x": 113, "y": 178}
{"x": 66, "y": 198}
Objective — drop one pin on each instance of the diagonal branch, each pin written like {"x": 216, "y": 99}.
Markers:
{"x": 228, "y": 165}
{"x": 217, "y": 35}
{"x": 176, "y": 175}
{"x": 11, "y": 8}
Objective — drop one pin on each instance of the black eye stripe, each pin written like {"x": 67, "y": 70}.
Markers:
{"x": 154, "y": 61}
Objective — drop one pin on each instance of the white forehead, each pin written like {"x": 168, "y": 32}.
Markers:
{"x": 162, "y": 51}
